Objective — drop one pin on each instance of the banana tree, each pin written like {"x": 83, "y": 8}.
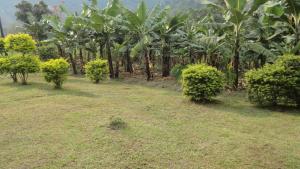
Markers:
{"x": 236, "y": 13}
{"x": 288, "y": 13}
{"x": 142, "y": 25}
{"x": 167, "y": 33}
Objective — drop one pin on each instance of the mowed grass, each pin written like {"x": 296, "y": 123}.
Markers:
{"x": 45, "y": 128}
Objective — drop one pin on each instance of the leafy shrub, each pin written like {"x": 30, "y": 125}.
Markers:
{"x": 23, "y": 65}
{"x": 55, "y": 70}
{"x": 117, "y": 123}
{"x": 202, "y": 82}
{"x": 2, "y": 46}
{"x": 4, "y": 65}
{"x": 277, "y": 84}
{"x": 22, "y": 43}
{"x": 97, "y": 70}
{"x": 177, "y": 71}
{"x": 47, "y": 52}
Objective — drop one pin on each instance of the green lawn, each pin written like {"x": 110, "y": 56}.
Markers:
{"x": 45, "y": 128}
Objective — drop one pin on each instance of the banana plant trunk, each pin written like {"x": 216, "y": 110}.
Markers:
{"x": 73, "y": 63}
{"x": 1, "y": 29}
{"x": 236, "y": 61}
{"x": 297, "y": 34}
{"x": 166, "y": 61}
{"x": 81, "y": 61}
{"x": 129, "y": 67}
{"x": 117, "y": 71}
{"x": 147, "y": 64}
{"x": 109, "y": 58}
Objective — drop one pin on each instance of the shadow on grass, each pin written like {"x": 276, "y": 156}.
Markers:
{"x": 49, "y": 88}
{"x": 237, "y": 102}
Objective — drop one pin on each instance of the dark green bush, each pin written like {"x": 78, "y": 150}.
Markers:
{"x": 47, "y": 52}
{"x": 23, "y": 65}
{"x": 177, "y": 71}
{"x": 55, "y": 70}
{"x": 202, "y": 82}
{"x": 97, "y": 70}
{"x": 277, "y": 84}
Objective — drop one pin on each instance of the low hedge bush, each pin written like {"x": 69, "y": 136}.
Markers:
{"x": 201, "y": 82}
{"x": 22, "y": 65}
{"x": 55, "y": 70}
{"x": 97, "y": 70}
{"x": 277, "y": 84}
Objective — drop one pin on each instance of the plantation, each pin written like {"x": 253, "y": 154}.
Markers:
{"x": 216, "y": 86}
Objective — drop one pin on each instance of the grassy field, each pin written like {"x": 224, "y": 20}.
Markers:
{"x": 45, "y": 128}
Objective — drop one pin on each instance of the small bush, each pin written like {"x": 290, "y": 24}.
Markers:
{"x": 202, "y": 82}
{"x": 277, "y": 84}
{"x": 177, "y": 71}
{"x": 4, "y": 66}
{"x": 2, "y": 46}
{"x": 22, "y": 43}
{"x": 23, "y": 65}
{"x": 55, "y": 70}
{"x": 97, "y": 70}
{"x": 47, "y": 52}
{"x": 117, "y": 123}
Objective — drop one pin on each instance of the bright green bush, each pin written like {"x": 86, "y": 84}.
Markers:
{"x": 22, "y": 43}
{"x": 277, "y": 84}
{"x": 2, "y": 46}
{"x": 4, "y": 65}
{"x": 97, "y": 70}
{"x": 23, "y": 65}
{"x": 56, "y": 70}
{"x": 177, "y": 71}
{"x": 202, "y": 82}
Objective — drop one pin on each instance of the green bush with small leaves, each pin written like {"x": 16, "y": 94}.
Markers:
{"x": 2, "y": 47}
{"x": 23, "y": 65}
{"x": 97, "y": 70}
{"x": 4, "y": 66}
{"x": 21, "y": 42}
{"x": 55, "y": 70}
{"x": 176, "y": 71}
{"x": 201, "y": 82}
{"x": 276, "y": 84}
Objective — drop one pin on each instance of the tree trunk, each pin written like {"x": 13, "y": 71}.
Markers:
{"x": 89, "y": 56}
{"x": 117, "y": 69}
{"x": 81, "y": 61}
{"x": 14, "y": 77}
{"x": 236, "y": 61}
{"x": 109, "y": 58}
{"x": 101, "y": 50}
{"x": 60, "y": 50}
{"x": 191, "y": 56}
{"x": 1, "y": 29}
{"x": 73, "y": 63}
{"x": 297, "y": 34}
{"x": 166, "y": 61}
{"x": 147, "y": 65}
{"x": 129, "y": 67}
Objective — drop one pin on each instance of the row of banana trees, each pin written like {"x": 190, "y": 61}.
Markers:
{"x": 232, "y": 35}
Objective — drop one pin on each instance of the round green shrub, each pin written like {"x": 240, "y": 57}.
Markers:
{"x": 277, "y": 84}
{"x": 97, "y": 70}
{"x": 176, "y": 71}
{"x": 23, "y": 65}
{"x": 21, "y": 42}
{"x": 55, "y": 70}
{"x": 201, "y": 82}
